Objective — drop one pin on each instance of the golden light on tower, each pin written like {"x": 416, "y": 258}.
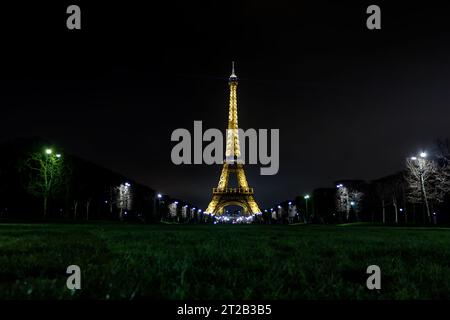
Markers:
{"x": 242, "y": 195}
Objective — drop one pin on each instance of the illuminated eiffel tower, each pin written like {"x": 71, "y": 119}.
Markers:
{"x": 241, "y": 196}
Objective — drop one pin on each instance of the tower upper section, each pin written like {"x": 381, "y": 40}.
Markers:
{"x": 233, "y": 148}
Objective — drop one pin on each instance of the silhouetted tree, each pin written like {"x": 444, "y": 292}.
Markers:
{"x": 390, "y": 191}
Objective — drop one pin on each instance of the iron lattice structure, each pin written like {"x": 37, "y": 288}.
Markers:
{"x": 223, "y": 195}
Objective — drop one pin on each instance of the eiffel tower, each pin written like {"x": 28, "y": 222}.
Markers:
{"x": 241, "y": 196}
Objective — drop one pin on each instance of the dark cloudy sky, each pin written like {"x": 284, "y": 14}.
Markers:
{"x": 349, "y": 102}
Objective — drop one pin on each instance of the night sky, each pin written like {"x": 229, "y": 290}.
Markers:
{"x": 350, "y": 103}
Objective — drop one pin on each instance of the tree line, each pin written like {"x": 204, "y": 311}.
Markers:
{"x": 419, "y": 194}
{"x": 38, "y": 181}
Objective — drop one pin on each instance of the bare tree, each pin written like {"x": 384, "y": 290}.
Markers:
{"x": 443, "y": 162}
{"x": 442, "y": 148}
{"x": 88, "y": 204}
{"x": 382, "y": 193}
{"x": 347, "y": 199}
{"x": 45, "y": 175}
{"x": 428, "y": 181}
{"x": 124, "y": 198}
{"x": 390, "y": 191}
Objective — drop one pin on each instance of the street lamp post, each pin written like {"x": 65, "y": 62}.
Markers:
{"x": 157, "y": 207}
{"x": 406, "y": 217}
{"x": 49, "y": 169}
{"x": 306, "y": 197}
{"x": 48, "y": 153}
{"x": 176, "y": 211}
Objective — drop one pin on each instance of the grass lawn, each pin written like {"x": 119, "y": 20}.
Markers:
{"x": 223, "y": 261}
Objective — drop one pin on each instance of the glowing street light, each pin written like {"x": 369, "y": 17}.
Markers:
{"x": 159, "y": 196}
{"x": 48, "y": 151}
{"x": 127, "y": 184}
{"x": 58, "y": 155}
{"x": 339, "y": 186}
{"x": 423, "y": 154}
{"x": 352, "y": 203}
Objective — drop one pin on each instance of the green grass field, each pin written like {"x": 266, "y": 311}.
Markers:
{"x": 223, "y": 262}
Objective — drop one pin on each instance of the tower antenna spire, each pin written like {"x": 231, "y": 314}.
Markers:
{"x": 233, "y": 74}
